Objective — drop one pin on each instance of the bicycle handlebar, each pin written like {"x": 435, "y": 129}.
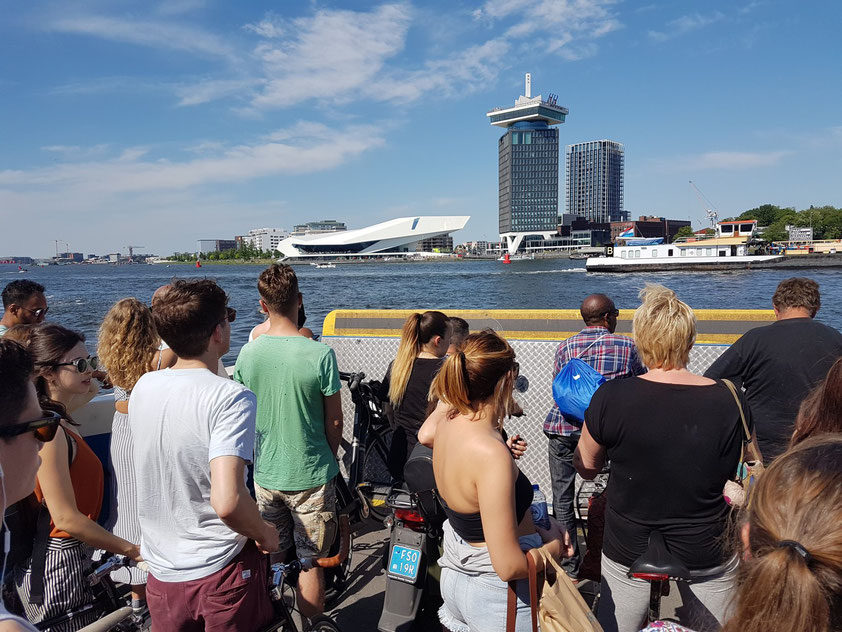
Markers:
{"x": 279, "y": 569}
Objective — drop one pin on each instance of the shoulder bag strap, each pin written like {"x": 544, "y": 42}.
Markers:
{"x": 747, "y": 442}
{"x": 582, "y": 352}
{"x": 511, "y": 604}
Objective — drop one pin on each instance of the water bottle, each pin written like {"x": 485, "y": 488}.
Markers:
{"x": 540, "y": 515}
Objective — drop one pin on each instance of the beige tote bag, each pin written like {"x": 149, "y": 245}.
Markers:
{"x": 560, "y": 608}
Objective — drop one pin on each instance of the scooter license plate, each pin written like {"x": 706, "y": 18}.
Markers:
{"x": 404, "y": 562}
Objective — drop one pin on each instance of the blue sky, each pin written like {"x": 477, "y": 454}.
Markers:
{"x": 160, "y": 123}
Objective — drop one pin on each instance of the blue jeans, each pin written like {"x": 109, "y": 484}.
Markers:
{"x": 563, "y": 477}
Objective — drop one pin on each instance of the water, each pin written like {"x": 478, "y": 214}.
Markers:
{"x": 80, "y": 295}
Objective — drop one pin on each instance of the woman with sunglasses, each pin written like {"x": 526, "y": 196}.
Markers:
{"x": 128, "y": 346}
{"x": 69, "y": 482}
{"x": 23, "y": 429}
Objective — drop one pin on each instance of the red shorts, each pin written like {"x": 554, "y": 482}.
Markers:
{"x": 235, "y": 598}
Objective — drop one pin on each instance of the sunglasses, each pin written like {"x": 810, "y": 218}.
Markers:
{"x": 81, "y": 364}
{"x": 230, "y": 316}
{"x": 44, "y": 428}
{"x": 612, "y": 312}
{"x": 39, "y": 313}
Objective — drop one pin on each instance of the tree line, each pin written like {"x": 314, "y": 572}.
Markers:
{"x": 246, "y": 252}
{"x": 825, "y": 220}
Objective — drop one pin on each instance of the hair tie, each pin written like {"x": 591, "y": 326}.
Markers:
{"x": 798, "y": 548}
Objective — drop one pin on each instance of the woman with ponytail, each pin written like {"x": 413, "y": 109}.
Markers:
{"x": 673, "y": 438}
{"x": 424, "y": 342}
{"x": 791, "y": 576}
{"x": 489, "y": 527}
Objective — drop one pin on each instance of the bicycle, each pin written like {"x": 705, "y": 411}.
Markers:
{"x": 369, "y": 482}
{"x": 109, "y": 603}
{"x": 286, "y": 575}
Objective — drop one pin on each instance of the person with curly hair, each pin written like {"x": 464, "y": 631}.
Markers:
{"x": 128, "y": 344}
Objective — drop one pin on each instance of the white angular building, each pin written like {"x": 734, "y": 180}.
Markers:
{"x": 396, "y": 236}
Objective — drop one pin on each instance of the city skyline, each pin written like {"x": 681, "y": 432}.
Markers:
{"x": 182, "y": 119}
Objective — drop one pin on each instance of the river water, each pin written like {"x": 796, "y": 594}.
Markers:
{"x": 80, "y": 295}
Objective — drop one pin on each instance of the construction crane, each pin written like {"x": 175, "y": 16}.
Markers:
{"x": 711, "y": 214}
{"x": 131, "y": 250}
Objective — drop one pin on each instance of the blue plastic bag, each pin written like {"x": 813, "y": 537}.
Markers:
{"x": 574, "y": 387}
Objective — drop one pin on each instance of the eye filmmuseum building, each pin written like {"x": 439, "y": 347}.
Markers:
{"x": 528, "y": 167}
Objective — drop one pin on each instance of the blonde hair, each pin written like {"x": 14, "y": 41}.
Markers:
{"x": 796, "y": 504}
{"x": 479, "y": 375}
{"x": 128, "y": 341}
{"x": 664, "y": 328}
{"x": 418, "y": 330}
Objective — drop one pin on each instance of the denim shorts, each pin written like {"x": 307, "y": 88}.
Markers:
{"x": 475, "y": 598}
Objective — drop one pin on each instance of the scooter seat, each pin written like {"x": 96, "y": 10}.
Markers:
{"x": 658, "y": 561}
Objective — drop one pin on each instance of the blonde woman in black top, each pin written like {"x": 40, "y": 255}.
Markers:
{"x": 424, "y": 342}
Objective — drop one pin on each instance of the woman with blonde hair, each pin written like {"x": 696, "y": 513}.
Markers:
{"x": 425, "y": 338}
{"x": 485, "y": 497}
{"x": 673, "y": 439}
{"x": 128, "y": 346}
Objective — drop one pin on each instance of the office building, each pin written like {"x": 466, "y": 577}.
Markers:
{"x": 594, "y": 180}
{"x": 649, "y": 226}
{"x": 528, "y": 166}
{"x": 217, "y": 245}
{"x": 440, "y": 243}
{"x": 324, "y": 226}
{"x": 265, "y": 238}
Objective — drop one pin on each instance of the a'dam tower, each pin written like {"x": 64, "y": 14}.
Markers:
{"x": 528, "y": 166}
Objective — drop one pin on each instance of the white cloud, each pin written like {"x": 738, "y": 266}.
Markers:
{"x": 162, "y": 35}
{"x": 685, "y": 24}
{"x": 316, "y": 148}
{"x": 214, "y": 89}
{"x": 333, "y": 55}
{"x": 731, "y": 160}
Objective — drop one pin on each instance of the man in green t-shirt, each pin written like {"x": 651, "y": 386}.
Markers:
{"x": 299, "y": 428}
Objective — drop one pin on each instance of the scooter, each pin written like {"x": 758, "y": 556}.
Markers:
{"x": 412, "y": 573}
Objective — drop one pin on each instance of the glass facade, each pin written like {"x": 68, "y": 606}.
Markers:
{"x": 528, "y": 178}
{"x": 594, "y": 183}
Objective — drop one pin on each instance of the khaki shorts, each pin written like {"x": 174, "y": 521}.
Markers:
{"x": 306, "y": 519}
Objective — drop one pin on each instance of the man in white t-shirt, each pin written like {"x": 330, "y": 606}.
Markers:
{"x": 193, "y": 433}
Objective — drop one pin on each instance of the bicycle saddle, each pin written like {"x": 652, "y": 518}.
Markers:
{"x": 657, "y": 563}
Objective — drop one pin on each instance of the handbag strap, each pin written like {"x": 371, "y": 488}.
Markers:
{"x": 511, "y": 604}
{"x": 747, "y": 442}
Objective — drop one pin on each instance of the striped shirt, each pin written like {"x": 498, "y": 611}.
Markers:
{"x": 613, "y": 356}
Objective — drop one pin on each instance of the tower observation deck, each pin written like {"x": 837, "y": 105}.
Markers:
{"x": 528, "y": 166}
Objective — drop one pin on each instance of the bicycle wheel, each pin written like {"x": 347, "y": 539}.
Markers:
{"x": 323, "y": 623}
{"x": 377, "y": 479}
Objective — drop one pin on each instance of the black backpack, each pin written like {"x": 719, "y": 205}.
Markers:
{"x": 421, "y": 482}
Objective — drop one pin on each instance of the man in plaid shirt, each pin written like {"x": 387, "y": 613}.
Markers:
{"x": 614, "y": 357}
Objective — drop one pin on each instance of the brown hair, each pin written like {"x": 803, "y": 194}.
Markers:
{"x": 20, "y": 333}
{"x": 791, "y": 578}
{"x": 417, "y": 331}
{"x": 797, "y": 292}
{"x": 47, "y": 345}
{"x": 664, "y": 328}
{"x": 15, "y": 372}
{"x": 479, "y": 375}
{"x": 187, "y": 313}
{"x": 128, "y": 341}
{"x": 821, "y": 410}
{"x": 460, "y": 331}
{"x": 278, "y": 287}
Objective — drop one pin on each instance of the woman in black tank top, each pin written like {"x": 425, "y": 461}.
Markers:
{"x": 485, "y": 496}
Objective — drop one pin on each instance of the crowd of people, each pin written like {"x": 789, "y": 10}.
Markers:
{"x": 184, "y": 434}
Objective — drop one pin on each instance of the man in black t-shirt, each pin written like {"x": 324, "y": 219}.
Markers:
{"x": 779, "y": 364}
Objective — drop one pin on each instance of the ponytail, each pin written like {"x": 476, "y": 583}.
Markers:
{"x": 479, "y": 375}
{"x": 408, "y": 350}
{"x": 791, "y": 578}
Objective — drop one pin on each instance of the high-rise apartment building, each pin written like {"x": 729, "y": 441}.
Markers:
{"x": 595, "y": 180}
{"x": 528, "y": 166}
